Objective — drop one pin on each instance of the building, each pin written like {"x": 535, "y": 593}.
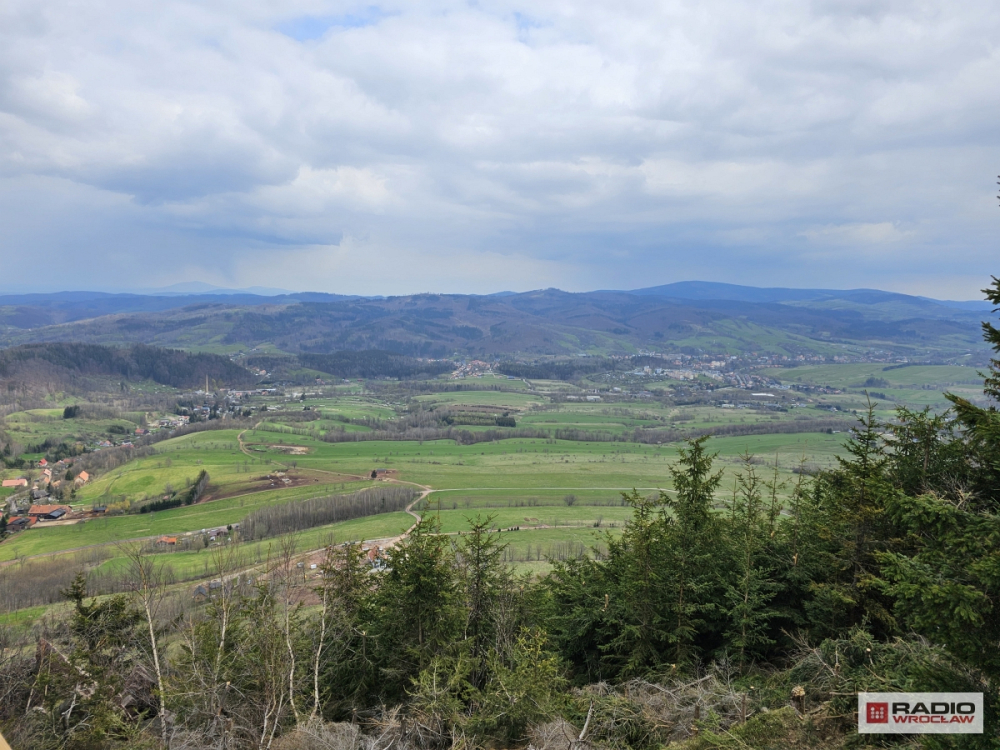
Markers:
{"x": 48, "y": 512}
{"x": 19, "y": 482}
{"x": 82, "y": 478}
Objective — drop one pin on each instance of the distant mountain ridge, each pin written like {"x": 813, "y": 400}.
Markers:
{"x": 710, "y": 290}
{"x": 696, "y": 316}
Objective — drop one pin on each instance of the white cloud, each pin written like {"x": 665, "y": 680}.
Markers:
{"x": 862, "y": 235}
{"x": 498, "y": 145}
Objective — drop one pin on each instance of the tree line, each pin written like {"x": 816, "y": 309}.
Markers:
{"x": 373, "y": 363}
{"x": 287, "y": 518}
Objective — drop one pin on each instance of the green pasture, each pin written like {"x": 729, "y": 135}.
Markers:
{"x": 518, "y": 466}
{"x": 500, "y": 399}
{"x": 47, "y": 539}
{"x": 554, "y": 516}
{"x": 854, "y": 375}
{"x": 176, "y": 462}
{"x": 198, "y": 563}
{"x": 531, "y": 464}
{"x": 35, "y": 426}
{"x": 351, "y": 407}
{"x": 485, "y": 501}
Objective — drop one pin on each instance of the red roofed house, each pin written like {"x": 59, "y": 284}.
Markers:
{"x": 48, "y": 512}
{"x": 21, "y": 482}
{"x": 43, "y": 462}
{"x": 20, "y": 523}
{"x": 82, "y": 478}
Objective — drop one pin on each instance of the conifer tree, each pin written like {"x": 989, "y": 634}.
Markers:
{"x": 850, "y": 527}
{"x": 694, "y": 556}
{"x": 946, "y": 580}
{"x": 485, "y": 578}
{"x": 637, "y": 606}
{"x": 415, "y": 612}
{"x": 982, "y": 425}
{"x": 751, "y": 587}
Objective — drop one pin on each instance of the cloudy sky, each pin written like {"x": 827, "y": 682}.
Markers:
{"x": 430, "y": 145}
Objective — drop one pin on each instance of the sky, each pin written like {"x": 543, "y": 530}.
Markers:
{"x": 475, "y": 147}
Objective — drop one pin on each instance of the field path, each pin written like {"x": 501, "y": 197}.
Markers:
{"x": 409, "y": 509}
{"x": 239, "y": 438}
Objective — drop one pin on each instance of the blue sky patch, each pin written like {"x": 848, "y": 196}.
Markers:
{"x": 307, "y": 28}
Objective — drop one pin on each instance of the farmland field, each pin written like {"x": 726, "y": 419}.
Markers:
{"x": 552, "y": 497}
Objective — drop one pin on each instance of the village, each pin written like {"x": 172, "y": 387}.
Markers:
{"x": 28, "y": 506}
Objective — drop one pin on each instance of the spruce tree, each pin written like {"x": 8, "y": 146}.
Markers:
{"x": 982, "y": 424}
{"x": 636, "y": 608}
{"x": 415, "y": 612}
{"x": 751, "y": 588}
{"x": 850, "y": 527}
{"x": 485, "y": 579}
{"x": 694, "y": 555}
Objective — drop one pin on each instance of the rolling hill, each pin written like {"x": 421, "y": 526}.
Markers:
{"x": 686, "y": 316}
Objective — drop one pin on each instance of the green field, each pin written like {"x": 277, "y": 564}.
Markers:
{"x": 41, "y": 539}
{"x": 193, "y": 564}
{"x": 522, "y": 482}
{"x": 854, "y": 375}
{"x": 517, "y": 467}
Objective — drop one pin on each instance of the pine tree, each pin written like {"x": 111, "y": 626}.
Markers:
{"x": 751, "y": 588}
{"x": 415, "y": 613}
{"x": 695, "y": 556}
{"x": 485, "y": 579}
{"x": 982, "y": 425}
{"x": 850, "y": 527}
{"x": 636, "y": 609}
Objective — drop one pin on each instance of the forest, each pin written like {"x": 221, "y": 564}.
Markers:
{"x": 752, "y": 625}
{"x": 372, "y": 364}
{"x": 135, "y": 362}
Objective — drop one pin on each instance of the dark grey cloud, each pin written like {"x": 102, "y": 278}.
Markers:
{"x": 477, "y": 147}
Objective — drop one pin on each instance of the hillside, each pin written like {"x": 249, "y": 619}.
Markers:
{"x": 68, "y": 362}
{"x": 691, "y": 316}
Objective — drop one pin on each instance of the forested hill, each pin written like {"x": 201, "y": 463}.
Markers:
{"x": 132, "y": 363}
{"x": 545, "y": 322}
{"x": 373, "y": 364}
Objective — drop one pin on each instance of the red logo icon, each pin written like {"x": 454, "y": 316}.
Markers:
{"x": 878, "y": 713}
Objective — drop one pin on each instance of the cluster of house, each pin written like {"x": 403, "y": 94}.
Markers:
{"x": 49, "y": 477}
{"x": 38, "y": 513}
{"x": 474, "y": 369}
{"x": 36, "y": 492}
